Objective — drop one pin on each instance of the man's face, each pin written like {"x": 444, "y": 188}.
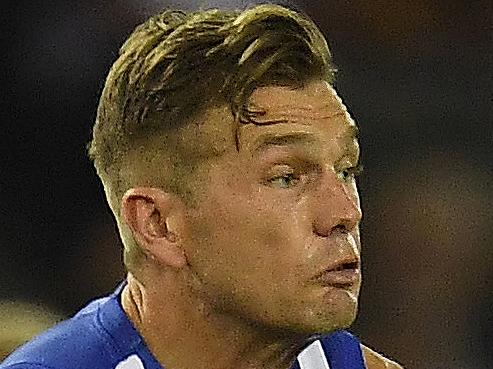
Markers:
{"x": 273, "y": 215}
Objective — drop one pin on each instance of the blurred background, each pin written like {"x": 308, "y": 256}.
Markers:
{"x": 417, "y": 76}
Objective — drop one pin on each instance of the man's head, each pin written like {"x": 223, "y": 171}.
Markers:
{"x": 226, "y": 154}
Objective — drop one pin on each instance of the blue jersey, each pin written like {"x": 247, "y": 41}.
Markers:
{"x": 101, "y": 336}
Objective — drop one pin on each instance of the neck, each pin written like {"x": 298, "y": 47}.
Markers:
{"x": 176, "y": 325}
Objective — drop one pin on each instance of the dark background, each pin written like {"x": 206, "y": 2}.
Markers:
{"x": 417, "y": 76}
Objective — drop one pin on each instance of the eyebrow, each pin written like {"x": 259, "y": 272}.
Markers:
{"x": 276, "y": 139}
{"x": 294, "y": 138}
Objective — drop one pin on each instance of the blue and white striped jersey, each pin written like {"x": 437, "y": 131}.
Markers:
{"x": 101, "y": 336}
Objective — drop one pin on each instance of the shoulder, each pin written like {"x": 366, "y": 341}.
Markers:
{"x": 374, "y": 360}
{"x": 25, "y": 366}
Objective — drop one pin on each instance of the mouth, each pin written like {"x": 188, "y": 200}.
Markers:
{"x": 343, "y": 275}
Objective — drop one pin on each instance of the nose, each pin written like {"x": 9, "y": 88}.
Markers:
{"x": 336, "y": 206}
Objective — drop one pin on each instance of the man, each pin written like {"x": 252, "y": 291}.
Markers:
{"x": 228, "y": 161}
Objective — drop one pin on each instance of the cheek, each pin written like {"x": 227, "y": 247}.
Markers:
{"x": 244, "y": 242}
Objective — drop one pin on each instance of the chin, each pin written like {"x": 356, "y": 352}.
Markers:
{"x": 342, "y": 321}
{"x": 330, "y": 318}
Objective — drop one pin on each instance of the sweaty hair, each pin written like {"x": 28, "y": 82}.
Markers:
{"x": 176, "y": 65}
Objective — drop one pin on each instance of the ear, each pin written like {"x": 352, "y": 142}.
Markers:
{"x": 153, "y": 217}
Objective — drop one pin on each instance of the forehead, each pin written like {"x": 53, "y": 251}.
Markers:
{"x": 314, "y": 113}
{"x": 317, "y": 98}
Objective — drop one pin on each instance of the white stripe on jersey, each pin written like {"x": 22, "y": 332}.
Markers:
{"x": 313, "y": 357}
{"x": 131, "y": 362}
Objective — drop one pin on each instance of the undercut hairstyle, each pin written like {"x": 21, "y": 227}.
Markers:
{"x": 177, "y": 65}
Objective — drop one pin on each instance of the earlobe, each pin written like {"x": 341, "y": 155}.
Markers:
{"x": 148, "y": 212}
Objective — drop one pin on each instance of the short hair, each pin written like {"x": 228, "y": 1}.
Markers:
{"x": 176, "y": 65}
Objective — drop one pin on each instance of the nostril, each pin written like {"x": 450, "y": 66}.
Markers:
{"x": 339, "y": 229}
{"x": 353, "y": 265}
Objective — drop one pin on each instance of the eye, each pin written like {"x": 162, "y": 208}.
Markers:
{"x": 285, "y": 180}
{"x": 349, "y": 174}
